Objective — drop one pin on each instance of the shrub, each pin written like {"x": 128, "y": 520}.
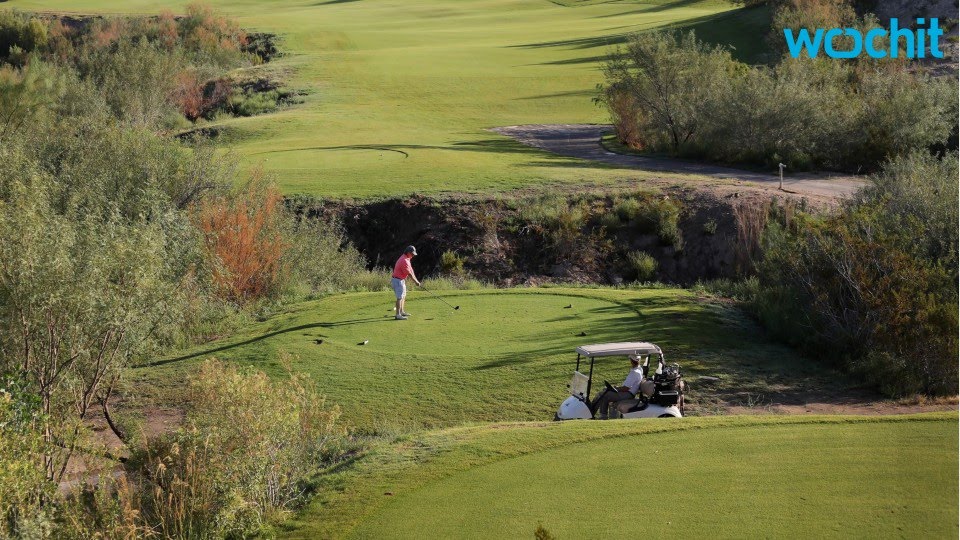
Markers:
{"x": 244, "y": 236}
{"x": 560, "y": 223}
{"x": 451, "y": 264}
{"x": 626, "y": 209}
{"x": 195, "y": 98}
{"x": 319, "y": 255}
{"x": 252, "y": 103}
{"x": 874, "y": 287}
{"x": 695, "y": 101}
{"x": 137, "y": 79}
{"x": 710, "y": 227}
{"x": 662, "y": 216}
{"x": 541, "y": 533}
{"x": 642, "y": 265}
{"x": 22, "y": 32}
{"x": 624, "y": 115}
{"x": 23, "y": 486}
{"x": 246, "y": 451}
{"x": 80, "y": 297}
{"x": 809, "y": 14}
{"x": 610, "y": 221}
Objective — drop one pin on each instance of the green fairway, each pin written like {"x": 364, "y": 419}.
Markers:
{"x": 731, "y": 477}
{"x": 401, "y": 93}
{"x": 505, "y": 355}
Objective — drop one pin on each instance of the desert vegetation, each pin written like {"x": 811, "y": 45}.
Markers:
{"x": 671, "y": 93}
{"x": 160, "y": 73}
{"x": 149, "y": 273}
{"x": 873, "y": 288}
{"x": 119, "y": 244}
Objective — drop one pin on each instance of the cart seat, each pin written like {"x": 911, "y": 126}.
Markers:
{"x": 631, "y": 405}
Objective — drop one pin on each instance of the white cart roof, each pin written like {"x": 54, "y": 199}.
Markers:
{"x": 618, "y": 349}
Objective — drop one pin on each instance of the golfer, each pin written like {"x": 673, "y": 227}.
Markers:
{"x": 401, "y": 270}
{"x": 631, "y": 385}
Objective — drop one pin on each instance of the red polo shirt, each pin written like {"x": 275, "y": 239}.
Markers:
{"x": 403, "y": 268}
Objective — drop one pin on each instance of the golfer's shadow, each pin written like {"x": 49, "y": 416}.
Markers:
{"x": 265, "y": 336}
{"x": 353, "y": 322}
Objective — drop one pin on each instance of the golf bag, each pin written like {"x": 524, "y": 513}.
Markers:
{"x": 669, "y": 387}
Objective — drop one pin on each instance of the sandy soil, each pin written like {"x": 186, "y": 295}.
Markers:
{"x": 583, "y": 141}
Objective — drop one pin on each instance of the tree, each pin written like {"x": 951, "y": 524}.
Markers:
{"x": 80, "y": 297}
{"x": 671, "y": 77}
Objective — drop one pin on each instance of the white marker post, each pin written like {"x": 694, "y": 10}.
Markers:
{"x": 782, "y": 167}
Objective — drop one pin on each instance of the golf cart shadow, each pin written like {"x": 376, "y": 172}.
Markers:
{"x": 659, "y": 397}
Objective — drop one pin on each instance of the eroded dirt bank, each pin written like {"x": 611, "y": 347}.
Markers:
{"x": 585, "y": 237}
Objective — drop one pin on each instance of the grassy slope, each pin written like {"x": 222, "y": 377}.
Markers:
{"x": 721, "y": 477}
{"x": 402, "y": 92}
{"x": 506, "y": 355}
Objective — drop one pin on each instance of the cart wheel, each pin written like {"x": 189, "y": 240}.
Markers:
{"x": 666, "y": 416}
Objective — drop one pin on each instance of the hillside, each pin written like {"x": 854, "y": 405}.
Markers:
{"x": 400, "y": 95}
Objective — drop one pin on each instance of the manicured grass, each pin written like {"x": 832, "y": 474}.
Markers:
{"x": 401, "y": 93}
{"x": 506, "y": 355}
{"x": 721, "y": 477}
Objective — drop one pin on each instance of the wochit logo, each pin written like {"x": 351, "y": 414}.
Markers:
{"x": 915, "y": 41}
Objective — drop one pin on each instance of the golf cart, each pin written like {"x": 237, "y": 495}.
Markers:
{"x": 659, "y": 397}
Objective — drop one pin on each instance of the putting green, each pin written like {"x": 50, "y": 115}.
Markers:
{"x": 720, "y": 477}
{"x": 401, "y": 93}
{"x": 505, "y": 355}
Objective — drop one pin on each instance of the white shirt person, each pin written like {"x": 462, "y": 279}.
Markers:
{"x": 631, "y": 385}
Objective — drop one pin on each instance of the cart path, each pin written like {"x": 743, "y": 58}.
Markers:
{"x": 582, "y": 141}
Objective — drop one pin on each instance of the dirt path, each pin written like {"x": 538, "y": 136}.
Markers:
{"x": 583, "y": 141}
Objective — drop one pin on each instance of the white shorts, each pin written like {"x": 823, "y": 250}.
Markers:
{"x": 399, "y": 287}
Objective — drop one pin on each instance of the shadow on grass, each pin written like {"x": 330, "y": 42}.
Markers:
{"x": 577, "y": 43}
{"x": 504, "y": 145}
{"x": 575, "y": 61}
{"x": 572, "y": 93}
{"x": 667, "y": 322}
{"x": 263, "y": 337}
{"x": 666, "y": 6}
{"x": 743, "y": 30}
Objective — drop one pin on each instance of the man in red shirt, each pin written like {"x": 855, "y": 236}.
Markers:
{"x": 401, "y": 270}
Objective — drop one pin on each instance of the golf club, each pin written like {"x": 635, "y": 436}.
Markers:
{"x": 455, "y": 308}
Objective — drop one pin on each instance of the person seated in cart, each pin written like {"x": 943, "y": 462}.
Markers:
{"x": 630, "y": 387}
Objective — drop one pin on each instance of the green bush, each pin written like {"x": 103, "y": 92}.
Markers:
{"x": 642, "y": 265}
{"x": 875, "y": 287}
{"x": 248, "y": 448}
{"x": 610, "y": 221}
{"x": 695, "y": 101}
{"x": 662, "y": 216}
{"x": 560, "y": 223}
{"x": 671, "y": 78}
{"x": 320, "y": 256}
{"x": 244, "y": 103}
{"x": 21, "y": 31}
{"x": 626, "y": 209}
{"x": 24, "y": 488}
{"x": 136, "y": 79}
{"x": 710, "y": 227}
{"x": 451, "y": 264}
